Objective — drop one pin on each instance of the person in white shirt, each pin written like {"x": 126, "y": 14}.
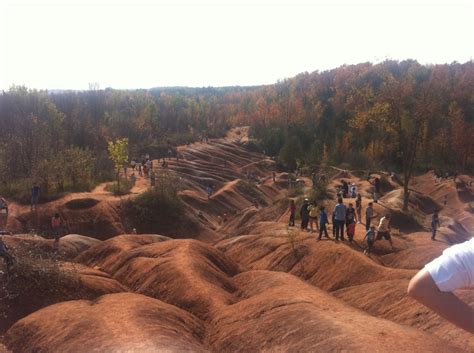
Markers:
{"x": 384, "y": 229}
{"x": 434, "y": 284}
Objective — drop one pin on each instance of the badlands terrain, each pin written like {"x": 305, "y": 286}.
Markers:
{"x": 233, "y": 277}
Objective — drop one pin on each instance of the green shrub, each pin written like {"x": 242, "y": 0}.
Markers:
{"x": 158, "y": 208}
{"x": 122, "y": 189}
{"x": 319, "y": 193}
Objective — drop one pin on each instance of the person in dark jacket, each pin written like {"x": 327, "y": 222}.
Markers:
{"x": 304, "y": 213}
{"x": 434, "y": 225}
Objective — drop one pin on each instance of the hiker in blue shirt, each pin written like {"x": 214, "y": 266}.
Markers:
{"x": 35, "y": 193}
{"x": 323, "y": 220}
{"x": 339, "y": 219}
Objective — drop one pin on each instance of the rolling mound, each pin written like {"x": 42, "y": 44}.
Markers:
{"x": 283, "y": 314}
{"x": 186, "y": 273}
{"x": 325, "y": 264}
{"x": 112, "y": 323}
{"x": 108, "y": 253}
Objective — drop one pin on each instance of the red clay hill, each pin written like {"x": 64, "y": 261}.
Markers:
{"x": 236, "y": 278}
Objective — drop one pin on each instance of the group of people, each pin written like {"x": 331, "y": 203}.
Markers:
{"x": 144, "y": 167}
{"x": 342, "y": 217}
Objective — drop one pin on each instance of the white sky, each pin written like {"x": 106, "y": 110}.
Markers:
{"x": 141, "y": 44}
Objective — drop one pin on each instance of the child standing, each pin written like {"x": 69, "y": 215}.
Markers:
{"x": 370, "y": 239}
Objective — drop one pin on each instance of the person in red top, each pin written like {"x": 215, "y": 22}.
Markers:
{"x": 292, "y": 208}
{"x": 56, "y": 226}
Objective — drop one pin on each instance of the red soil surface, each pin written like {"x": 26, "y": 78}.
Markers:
{"x": 241, "y": 280}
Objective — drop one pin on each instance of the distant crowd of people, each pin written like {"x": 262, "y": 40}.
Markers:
{"x": 344, "y": 218}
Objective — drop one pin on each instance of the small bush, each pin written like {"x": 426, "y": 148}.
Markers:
{"x": 122, "y": 189}
{"x": 319, "y": 193}
{"x": 158, "y": 208}
{"x": 253, "y": 146}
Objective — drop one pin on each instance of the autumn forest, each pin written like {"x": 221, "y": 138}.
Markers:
{"x": 399, "y": 116}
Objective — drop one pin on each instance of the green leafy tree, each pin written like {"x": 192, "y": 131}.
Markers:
{"x": 290, "y": 152}
{"x": 118, "y": 153}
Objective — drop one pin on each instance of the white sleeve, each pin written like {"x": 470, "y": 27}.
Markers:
{"x": 454, "y": 268}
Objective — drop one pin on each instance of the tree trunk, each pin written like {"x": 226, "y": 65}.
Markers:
{"x": 406, "y": 195}
{"x": 118, "y": 182}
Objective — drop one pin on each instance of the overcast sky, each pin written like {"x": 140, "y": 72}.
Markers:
{"x": 141, "y": 44}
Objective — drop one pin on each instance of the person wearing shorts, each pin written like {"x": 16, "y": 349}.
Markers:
{"x": 433, "y": 286}
{"x": 384, "y": 229}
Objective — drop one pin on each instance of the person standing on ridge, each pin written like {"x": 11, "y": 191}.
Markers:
{"x": 339, "y": 219}
{"x": 313, "y": 216}
{"x": 323, "y": 220}
{"x": 292, "y": 208}
{"x": 56, "y": 226}
{"x": 369, "y": 214}
{"x": 376, "y": 183}
{"x": 345, "y": 189}
{"x": 370, "y": 239}
{"x": 384, "y": 229}
{"x": 353, "y": 190}
{"x": 35, "y": 194}
{"x": 358, "y": 204}
{"x": 133, "y": 179}
{"x": 350, "y": 222}
{"x": 304, "y": 213}
{"x": 434, "y": 224}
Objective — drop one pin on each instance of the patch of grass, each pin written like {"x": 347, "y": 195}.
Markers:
{"x": 118, "y": 190}
{"x": 20, "y": 190}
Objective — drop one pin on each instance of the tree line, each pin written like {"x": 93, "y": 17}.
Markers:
{"x": 399, "y": 115}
